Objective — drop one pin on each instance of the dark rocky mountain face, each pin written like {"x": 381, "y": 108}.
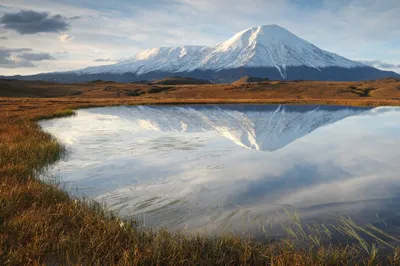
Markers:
{"x": 228, "y": 75}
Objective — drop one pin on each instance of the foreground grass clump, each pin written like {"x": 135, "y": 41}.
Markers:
{"x": 42, "y": 225}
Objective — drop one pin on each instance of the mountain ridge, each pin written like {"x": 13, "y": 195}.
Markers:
{"x": 264, "y": 51}
{"x": 262, "y": 46}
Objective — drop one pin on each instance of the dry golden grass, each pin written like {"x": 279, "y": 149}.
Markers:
{"x": 42, "y": 225}
{"x": 379, "y": 92}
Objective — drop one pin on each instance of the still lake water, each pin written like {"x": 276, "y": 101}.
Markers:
{"x": 218, "y": 166}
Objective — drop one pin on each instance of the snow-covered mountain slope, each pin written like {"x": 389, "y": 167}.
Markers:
{"x": 255, "y": 128}
{"x": 263, "y": 46}
{"x": 265, "y": 51}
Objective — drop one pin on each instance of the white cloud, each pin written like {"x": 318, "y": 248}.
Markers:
{"x": 65, "y": 37}
{"x": 380, "y": 64}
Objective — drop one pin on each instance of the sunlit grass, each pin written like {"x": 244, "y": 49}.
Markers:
{"x": 41, "y": 224}
{"x": 64, "y": 113}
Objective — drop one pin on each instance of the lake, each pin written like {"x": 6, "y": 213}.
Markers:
{"x": 233, "y": 167}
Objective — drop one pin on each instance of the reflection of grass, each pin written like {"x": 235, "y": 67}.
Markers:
{"x": 40, "y": 224}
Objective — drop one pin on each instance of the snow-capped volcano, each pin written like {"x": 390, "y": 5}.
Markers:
{"x": 259, "y": 47}
{"x": 265, "y": 51}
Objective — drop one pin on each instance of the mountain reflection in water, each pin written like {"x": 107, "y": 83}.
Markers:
{"x": 216, "y": 165}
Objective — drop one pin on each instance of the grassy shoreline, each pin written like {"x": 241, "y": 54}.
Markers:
{"x": 103, "y": 102}
{"x": 43, "y": 225}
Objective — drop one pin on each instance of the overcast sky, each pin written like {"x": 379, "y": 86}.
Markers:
{"x": 57, "y": 35}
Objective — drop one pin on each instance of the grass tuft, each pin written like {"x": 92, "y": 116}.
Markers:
{"x": 64, "y": 113}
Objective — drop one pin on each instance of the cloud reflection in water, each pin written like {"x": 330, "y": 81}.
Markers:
{"x": 204, "y": 165}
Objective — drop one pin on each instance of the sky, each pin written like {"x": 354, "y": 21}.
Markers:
{"x": 58, "y": 35}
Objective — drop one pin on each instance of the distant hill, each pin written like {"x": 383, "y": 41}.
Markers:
{"x": 144, "y": 81}
{"x": 18, "y": 88}
{"x": 247, "y": 79}
{"x": 180, "y": 81}
{"x": 99, "y": 81}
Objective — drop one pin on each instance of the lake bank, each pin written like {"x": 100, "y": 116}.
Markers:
{"x": 42, "y": 224}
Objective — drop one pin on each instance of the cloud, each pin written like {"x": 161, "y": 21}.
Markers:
{"x": 3, "y": 38}
{"x": 20, "y": 57}
{"x": 75, "y": 18}
{"x": 31, "y": 22}
{"x": 7, "y": 60}
{"x": 380, "y": 64}
{"x": 102, "y": 60}
{"x": 36, "y": 56}
{"x": 15, "y": 50}
{"x": 65, "y": 37}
